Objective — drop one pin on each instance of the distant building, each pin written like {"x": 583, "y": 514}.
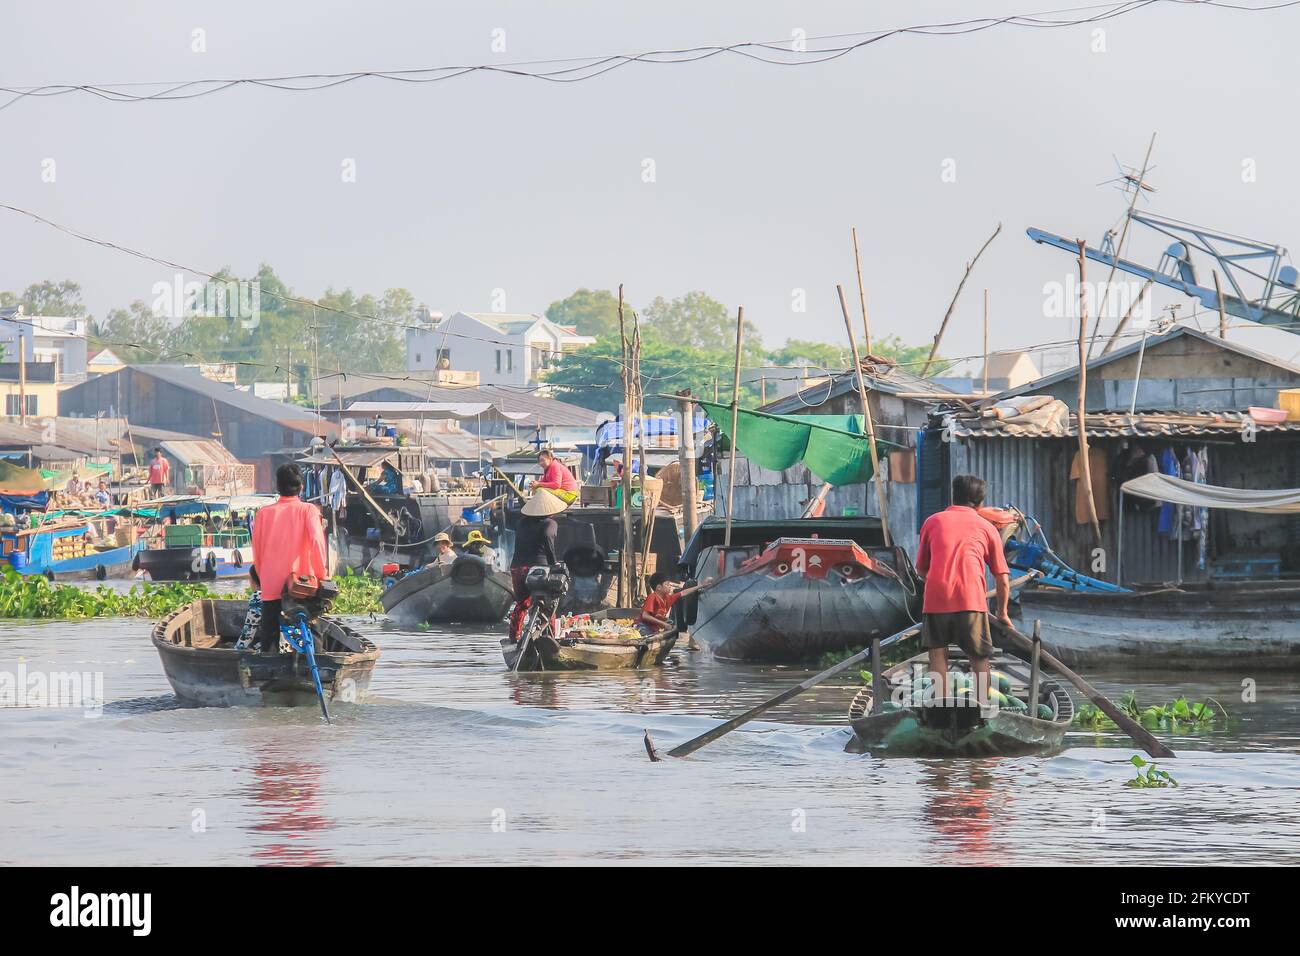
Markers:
{"x": 103, "y": 362}
{"x": 46, "y": 338}
{"x": 179, "y": 399}
{"x": 503, "y": 348}
{"x": 1008, "y": 370}
{"x": 513, "y": 412}
{"x": 1183, "y": 370}
{"x": 40, "y": 390}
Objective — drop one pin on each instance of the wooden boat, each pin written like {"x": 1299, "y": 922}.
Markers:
{"x": 1193, "y": 627}
{"x": 469, "y": 589}
{"x": 799, "y": 597}
{"x": 196, "y": 645}
{"x": 956, "y": 727}
{"x": 70, "y": 549}
{"x": 573, "y": 652}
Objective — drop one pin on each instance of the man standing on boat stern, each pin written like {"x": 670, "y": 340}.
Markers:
{"x": 956, "y": 546}
{"x": 288, "y": 539}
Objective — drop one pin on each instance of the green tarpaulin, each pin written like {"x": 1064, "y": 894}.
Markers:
{"x": 832, "y": 446}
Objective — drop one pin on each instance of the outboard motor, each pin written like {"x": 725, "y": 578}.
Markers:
{"x": 547, "y": 584}
{"x": 391, "y": 573}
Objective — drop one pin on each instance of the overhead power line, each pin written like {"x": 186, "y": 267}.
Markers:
{"x": 783, "y": 52}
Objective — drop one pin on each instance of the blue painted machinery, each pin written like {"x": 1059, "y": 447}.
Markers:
{"x": 1034, "y": 553}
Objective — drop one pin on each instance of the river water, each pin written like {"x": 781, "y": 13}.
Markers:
{"x": 455, "y": 760}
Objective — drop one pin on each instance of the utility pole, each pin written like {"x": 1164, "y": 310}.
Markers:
{"x": 22, "y": 379}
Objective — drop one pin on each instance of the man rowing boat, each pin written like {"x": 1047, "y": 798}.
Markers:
{"x": 956, "y": 546}
{"x": 289, "y": 540}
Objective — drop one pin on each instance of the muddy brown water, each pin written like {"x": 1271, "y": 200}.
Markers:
{"x": 455, "y": 760}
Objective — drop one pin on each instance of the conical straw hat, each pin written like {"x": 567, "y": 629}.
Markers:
{"x": 543, "y": 503}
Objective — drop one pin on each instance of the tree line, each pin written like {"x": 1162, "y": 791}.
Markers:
{"x": 687, "y": 342}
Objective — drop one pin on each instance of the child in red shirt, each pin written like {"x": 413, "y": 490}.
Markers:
{"x": 659, "y": 602}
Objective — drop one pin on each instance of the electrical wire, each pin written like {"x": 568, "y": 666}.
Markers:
{"x": 582, "y": 68}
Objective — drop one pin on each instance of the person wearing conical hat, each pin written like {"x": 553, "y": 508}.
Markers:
{"x": 534, "y": 546}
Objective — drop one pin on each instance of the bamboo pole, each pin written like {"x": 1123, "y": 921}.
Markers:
{"x": 862, "y": 294}
{"x": 986, "y": 342}
{"x": 647, "y": 514}
{"x": 943, "y": 326}
{"x": 881, "y": 497}
{"x": 686, "y": 459}
{"x": 625, "y": 505}
{"x": 1085, "y": 466}
{"x": 735, "y": 424}
{"x": 1123, "y": 324}
{"x": 1223, "y": 317}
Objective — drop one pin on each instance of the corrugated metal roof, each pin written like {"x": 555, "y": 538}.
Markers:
{"x": 878, "y": 375}
{"x": 1118, "y": 425}
{"x": 199, "y": 452}
{"x": 512, "y": 402}
{"x": 291, "y": 416}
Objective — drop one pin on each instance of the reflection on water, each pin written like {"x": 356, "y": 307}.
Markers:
{"x": 454, "y": 759}
{"x": 284, "y": 802}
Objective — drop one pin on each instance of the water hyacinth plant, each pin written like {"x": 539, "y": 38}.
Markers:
{"x": 1149, "y": 775}
{"x": 32, "y": 596}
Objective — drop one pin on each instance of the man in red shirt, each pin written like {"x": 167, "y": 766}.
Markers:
{"x": 288, "y": 539}
{"x": 556, "y": 477}
{"x": 956, "y": 546}
{"x": 160, "y": 472}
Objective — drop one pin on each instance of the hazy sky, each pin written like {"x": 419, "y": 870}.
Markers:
{"x": 492, "y": 182}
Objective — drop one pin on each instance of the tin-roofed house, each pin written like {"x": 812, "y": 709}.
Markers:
{"x": 1205, "y": 411}
{"x": 900, "y": 405}
{"x": 181, "y": 399}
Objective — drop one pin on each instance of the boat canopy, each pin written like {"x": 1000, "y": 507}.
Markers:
{"x": 832, "y": 446}
{"x": 1176, "y": 491}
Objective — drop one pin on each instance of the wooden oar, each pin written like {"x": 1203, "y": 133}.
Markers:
{"x": 683, "y": 750}
{"x": 365, "y": 495}
{"x": 1140, "y": 735}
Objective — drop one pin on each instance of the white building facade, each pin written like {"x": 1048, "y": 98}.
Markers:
{"x": 46, "y": 338}
{"x": 503, "y": 348}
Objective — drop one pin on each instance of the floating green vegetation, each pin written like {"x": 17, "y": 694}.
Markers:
{"x": 1177, "y": 715}
{"x": 32, "y": 596}
{"x": 358, "y": 594}
{"x": 1149, "y": 775}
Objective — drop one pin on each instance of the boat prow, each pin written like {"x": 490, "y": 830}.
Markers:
{"x": 469, "y": 589}
{"x": 913, "y": 726}
{"x": 586, "y": 651}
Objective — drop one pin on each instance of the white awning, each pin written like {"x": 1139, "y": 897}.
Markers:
{"x": 1176, "y": 491}
{"x": 421, "y": 409}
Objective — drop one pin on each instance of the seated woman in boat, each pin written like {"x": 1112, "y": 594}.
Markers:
{"x": 556, "y": 477}
{"x": 663, "y": 595}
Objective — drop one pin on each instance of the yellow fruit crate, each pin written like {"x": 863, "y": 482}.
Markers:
{"x": 1288, "y": 399}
